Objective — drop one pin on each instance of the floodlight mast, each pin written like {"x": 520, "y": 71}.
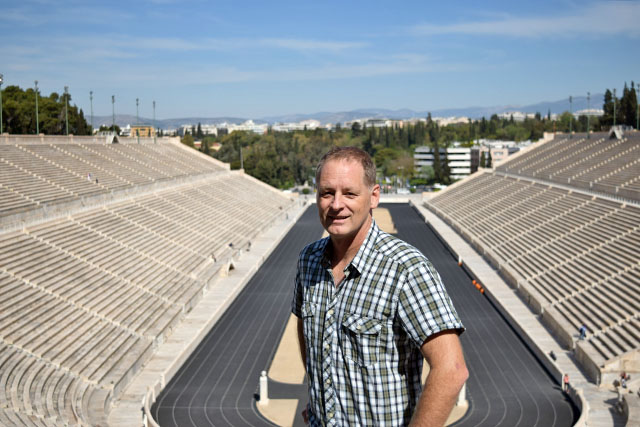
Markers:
{"x": 37, "y": 121}
{"x": 614, "y": 107}
{"x": 571, "y": 114}
{"x": 113, "y": 113}
{"x": 1, "y": 79}
{"x": 588, "y": 113}
{"x": 66, "y": 108}
{"x": 137, "y": 121}
{"x": 154, "y": 121}
{"x": 91, "y": 101}
{"x": 637, "y": 106}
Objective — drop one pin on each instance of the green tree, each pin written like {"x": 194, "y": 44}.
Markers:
{"x": 204, "y": 147}
{"x": 18, "y": 113}
{"x": 628, "y": 105}
{"x": 355, "y": 129}
{"x": 187, "y": 140}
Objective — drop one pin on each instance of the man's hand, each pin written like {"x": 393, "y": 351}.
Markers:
{"x": 447, "y": 374}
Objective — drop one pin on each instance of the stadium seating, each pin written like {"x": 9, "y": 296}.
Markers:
{"x": 88, "y": 294}
{"x": 598, "y": 163}
{"x": 34, "y": 175}
{"x": 573, "y": 253}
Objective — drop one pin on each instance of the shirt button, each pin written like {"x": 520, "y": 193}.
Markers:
{"x": 327, "y": 345}
{"x": 359, "y": 327}
{"x": 330, "y": 312}
{"x": 330, "y": 415}
{"x": 328, "y": 381}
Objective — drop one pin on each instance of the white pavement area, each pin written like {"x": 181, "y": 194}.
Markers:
{"x": 599, "y": 410}
{"x": 174, "y": 351}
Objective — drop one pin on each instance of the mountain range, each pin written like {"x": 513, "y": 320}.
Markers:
{"x": 553, "y": 107}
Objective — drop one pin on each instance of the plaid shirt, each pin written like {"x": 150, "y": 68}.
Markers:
{"x": 363, "y": 338}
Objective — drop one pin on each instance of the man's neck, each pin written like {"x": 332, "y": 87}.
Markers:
{"x": 344, "y": 250}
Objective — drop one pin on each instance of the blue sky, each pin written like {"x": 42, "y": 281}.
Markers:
{"x": 260, "y": 58}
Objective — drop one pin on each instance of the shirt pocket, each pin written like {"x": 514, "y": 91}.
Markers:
{"x": 308, "y": 322}
{"x": 361, "y": 339}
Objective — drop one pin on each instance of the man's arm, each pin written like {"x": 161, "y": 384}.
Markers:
{"x": 303, "y": 349}
{"x": 448, "y": 372}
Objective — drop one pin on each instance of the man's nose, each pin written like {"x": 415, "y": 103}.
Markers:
{"x": 336, "y": 203}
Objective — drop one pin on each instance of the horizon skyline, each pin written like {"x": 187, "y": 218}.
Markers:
{"x": 197, "y": 59}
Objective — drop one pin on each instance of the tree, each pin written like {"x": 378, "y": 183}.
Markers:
{"x": 482, "y": 160}
{"x": 628, "y": 105}
{"x": 187, "y": 140}
{"x": 204, "y": 147}
{"x": 104, "y": 128}
{"x": 199, "y": 133}
{"x": 18, "y": 113}
{"x": 607, "y": 107}
{"x": 437, "y": 164}
{"x": 489, "y": 159}
{"x": 355, "y": 129}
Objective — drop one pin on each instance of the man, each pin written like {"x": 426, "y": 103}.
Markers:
{"x": 370, "y": 307}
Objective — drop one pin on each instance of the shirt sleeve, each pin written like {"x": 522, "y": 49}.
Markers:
{"x": 424, "y": 307}
{"x": 298, "y": 292}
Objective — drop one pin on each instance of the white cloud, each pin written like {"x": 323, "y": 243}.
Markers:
{"x": 211, "y": 74}
{"x": 307, "y": 45}
{"x": 598, "y": 19}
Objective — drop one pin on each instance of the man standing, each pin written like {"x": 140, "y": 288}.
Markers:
{"x": 369, "y": 308}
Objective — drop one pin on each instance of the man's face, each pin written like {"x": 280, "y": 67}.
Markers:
{"x": 344, "y": 200}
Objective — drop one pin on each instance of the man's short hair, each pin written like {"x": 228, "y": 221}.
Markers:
{"x": 352, "y": 154}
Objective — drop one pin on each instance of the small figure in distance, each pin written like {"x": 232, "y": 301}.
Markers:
{"x": 583, "y": 332}
{"x": 565, "y": 383}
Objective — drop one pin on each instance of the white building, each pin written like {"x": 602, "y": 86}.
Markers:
{"x": 593, "y": 112}
{"x": 459, "y": 159}
{"x": 444, "y": 121}
{"x": 290, "y": 127}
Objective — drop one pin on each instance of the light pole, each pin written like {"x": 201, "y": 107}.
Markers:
{"x": 637, "y": 105}
{"x": 571, "y": 114}
{"x": 91, "y": 101}
{"x": 37, "y": 122}
{"x": 1, "y": 77}
{"x": 588, "y": 113}
{"x": 614, "y": 107}
{"x": 113, "y": 113}
{"x": 137, "y": 121}
{"x": 154, "y": 121}
{"x": 66, "y": 108}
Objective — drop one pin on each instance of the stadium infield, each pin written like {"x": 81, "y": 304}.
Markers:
{"x": 218, "y": 384}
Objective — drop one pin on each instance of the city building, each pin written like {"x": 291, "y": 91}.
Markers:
{"x": 459, "y": 159}
{"x": 142, "y": 131}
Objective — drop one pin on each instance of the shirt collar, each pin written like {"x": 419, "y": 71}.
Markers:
{"x": 359, "y": 261}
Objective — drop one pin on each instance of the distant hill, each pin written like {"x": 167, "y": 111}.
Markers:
{"x": 127, "y": 119}
{"x": 555, "y": 107}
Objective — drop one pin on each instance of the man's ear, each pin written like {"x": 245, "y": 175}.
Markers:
{"x": 375, "y": 196}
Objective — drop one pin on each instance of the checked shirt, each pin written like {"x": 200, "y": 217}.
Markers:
{"x": 363, "y": 337}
